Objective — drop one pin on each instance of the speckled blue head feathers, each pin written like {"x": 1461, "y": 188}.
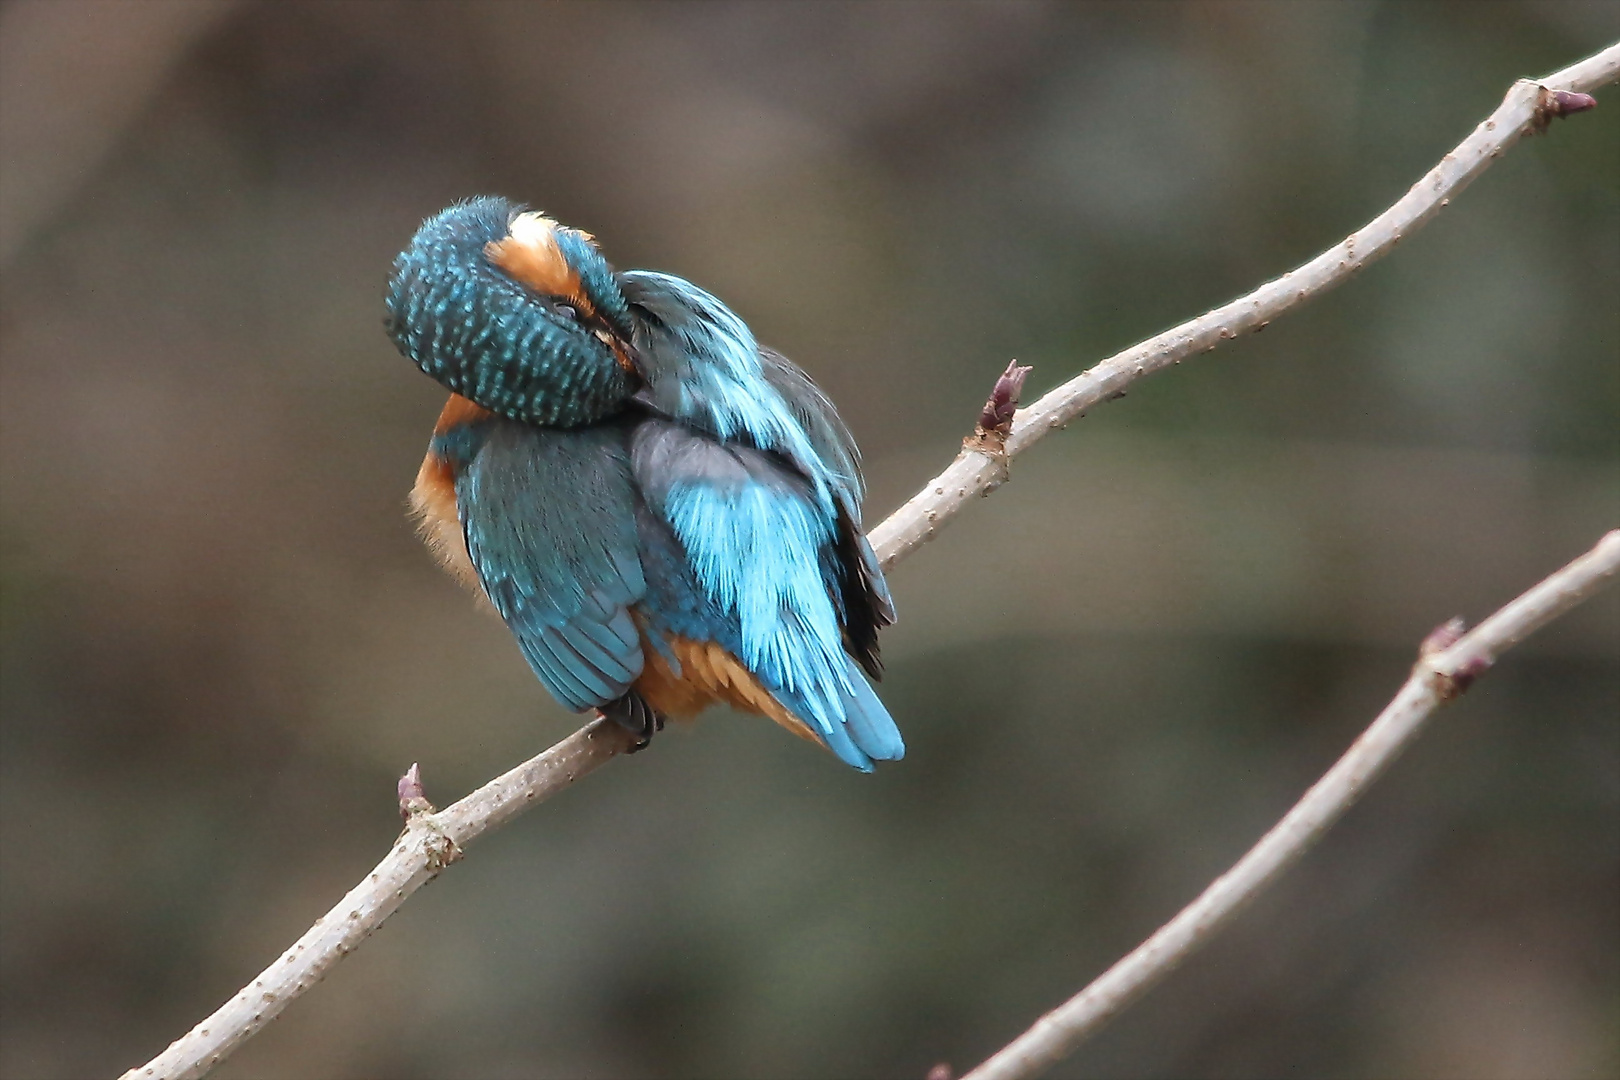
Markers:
{"x": 513, "y": 312}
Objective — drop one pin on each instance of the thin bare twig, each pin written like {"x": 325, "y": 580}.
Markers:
{"x": 432, "y": 841}
{"x": 979, "y": 469}
{"x": 1442, "y": 672}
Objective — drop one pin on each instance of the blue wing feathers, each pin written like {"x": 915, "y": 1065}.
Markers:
{"x": 591, "y": 652}
{"x": 552, "y": 672}
{"x": 548, "y": 655}
{"x": 616, "y": 635}
{"x": 559, "y": 558}
{"x": 755, "y": 553}
{"x": 704, "y": 369}
{"x": 572, "y": 651}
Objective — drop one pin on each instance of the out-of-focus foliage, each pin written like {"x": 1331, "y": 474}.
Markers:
{"x": 222, "y": 642}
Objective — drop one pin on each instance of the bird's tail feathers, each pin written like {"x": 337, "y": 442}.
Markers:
{"x": 862, "y": 730}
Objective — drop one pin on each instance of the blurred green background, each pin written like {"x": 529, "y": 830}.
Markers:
{"x": 222, "y": 642}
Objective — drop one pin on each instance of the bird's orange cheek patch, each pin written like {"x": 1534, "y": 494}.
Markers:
{"x": 529, "y": 254}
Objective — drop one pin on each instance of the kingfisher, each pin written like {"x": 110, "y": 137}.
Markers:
{"x": 666, "y": 514}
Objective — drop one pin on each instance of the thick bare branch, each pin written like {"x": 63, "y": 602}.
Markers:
{"x": 433, "y": 840}
{"x": 1439, "y": 675}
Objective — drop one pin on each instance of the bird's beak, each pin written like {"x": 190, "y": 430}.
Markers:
{"x": 622, "y": 351}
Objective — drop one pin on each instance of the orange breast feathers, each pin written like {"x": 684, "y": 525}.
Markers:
{"x": 709, "y": 676}
{"x": 433, "y": 498}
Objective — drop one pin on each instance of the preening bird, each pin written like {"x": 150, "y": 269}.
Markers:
{"x": 665, "y": 514}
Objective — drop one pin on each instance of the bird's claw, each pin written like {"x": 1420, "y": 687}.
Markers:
{"x": 632, "y": 712}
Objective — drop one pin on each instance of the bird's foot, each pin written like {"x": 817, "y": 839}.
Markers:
{"x": 632, "y": 713}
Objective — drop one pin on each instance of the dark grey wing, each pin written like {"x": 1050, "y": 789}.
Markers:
{"x": 862, "y": 590}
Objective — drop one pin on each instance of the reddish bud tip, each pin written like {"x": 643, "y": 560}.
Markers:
{"x": 942, "y": 1071}
{"x": 1565, "y": 102}
{"x": 412, "y": 798}
{"x": 1443, "y": 637}
{"x": 1003, "y": 401}
{"x": 1551, "y": 104}
{"x": 410, "y": 785}
{"x": 1465, "y": 675}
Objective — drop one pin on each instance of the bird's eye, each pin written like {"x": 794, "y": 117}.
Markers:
{"x": 568, "y": 311}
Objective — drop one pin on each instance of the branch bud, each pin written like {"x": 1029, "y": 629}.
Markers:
{"x": 412, "y": 797}
{"x": 1565, "y": 102}
{"x": 999, "y": 408}
{"x": 1556, "y": 104}
{"x": 1442, "y": 637}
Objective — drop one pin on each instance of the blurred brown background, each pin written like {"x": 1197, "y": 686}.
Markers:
{"x": 222, "y": 642}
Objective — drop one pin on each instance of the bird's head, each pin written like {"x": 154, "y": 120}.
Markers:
{"x": 515, "y": 312}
